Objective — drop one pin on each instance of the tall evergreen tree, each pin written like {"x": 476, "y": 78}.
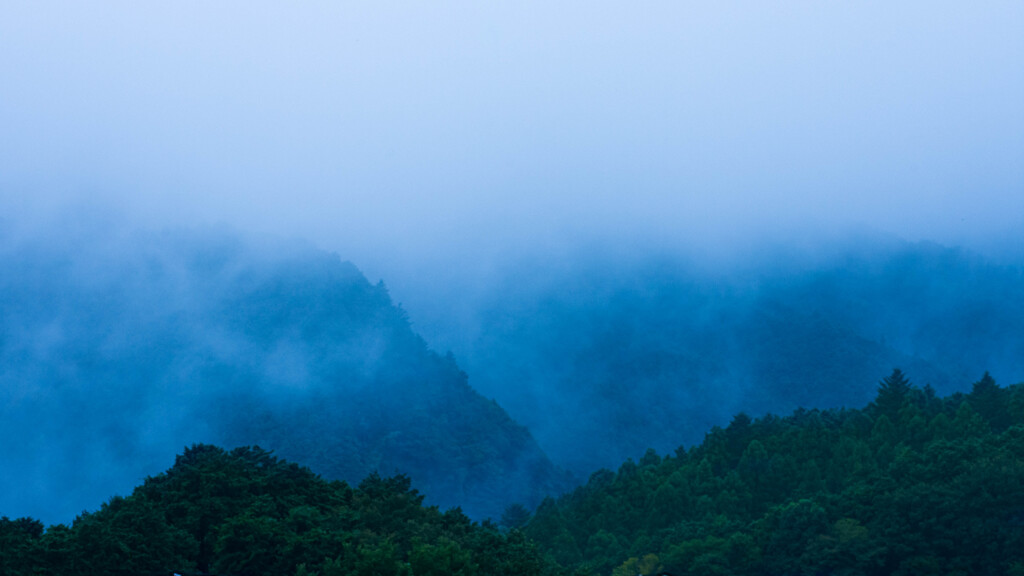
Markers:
{"x": 893, "y": 392}
{"x": 991, "y": 402}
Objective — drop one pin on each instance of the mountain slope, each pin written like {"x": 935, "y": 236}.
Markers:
{"x": 912, "y": 484}
{"x": 246, "y": 512}
{"x": 117, "y": 348}
{"x": 647, "y": 351}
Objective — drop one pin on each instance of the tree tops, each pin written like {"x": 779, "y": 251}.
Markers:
{"x": 912, "y": 484}
{"x": 246, "y": 512}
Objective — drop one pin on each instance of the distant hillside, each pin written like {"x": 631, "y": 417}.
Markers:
{"x": 247, "y": 513}
{"x": 604, "y": 356}
{"x": 912, "y": 484}
{"x": 118, "y": 348}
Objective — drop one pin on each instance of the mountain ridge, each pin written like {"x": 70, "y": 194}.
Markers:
{"x": 187, "y": 336}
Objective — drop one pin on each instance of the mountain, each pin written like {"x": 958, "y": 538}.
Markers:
{"x": 246, "y": 512}
{"x": 119, "y": 347}
{"x": 652, "y": 350}
{"x": 911, "y": 484}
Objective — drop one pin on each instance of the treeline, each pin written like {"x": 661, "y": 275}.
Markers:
{"x": 912, "y": 484}
{"x": 246, "y": 512}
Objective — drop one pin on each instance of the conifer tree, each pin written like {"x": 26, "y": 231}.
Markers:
{"x": 893, "y": 392}
{"x": 991, "y": 402}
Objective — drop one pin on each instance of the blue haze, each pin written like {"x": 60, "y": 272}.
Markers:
{"x": 397, "y": 133}
{"x": 465, "y": 152}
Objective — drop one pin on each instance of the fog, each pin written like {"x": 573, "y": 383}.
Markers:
{"x": 398, "y": 132}
{"x": 493, "y": 159}
{"x": 120, "y": 347}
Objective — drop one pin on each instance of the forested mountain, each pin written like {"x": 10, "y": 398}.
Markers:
{"x": 245, "y": 512}
{"x": 119, "y": 347}
{"x": 651, "y": 351}
{"x": 912, "y": 484}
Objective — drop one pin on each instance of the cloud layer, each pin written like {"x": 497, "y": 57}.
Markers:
{"x": 395, "y": 132}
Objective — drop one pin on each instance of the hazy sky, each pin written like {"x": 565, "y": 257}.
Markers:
{"x": 390, "y": 130}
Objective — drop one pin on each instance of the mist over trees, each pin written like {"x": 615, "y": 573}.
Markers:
{"x": 511, "y": 288}
{"x": 118, "y": 347}
{"x": 912, "y": 483}
{"x": 652, "y": 350}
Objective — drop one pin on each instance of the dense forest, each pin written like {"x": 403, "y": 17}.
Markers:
{"x": 912, "y": 484}
{"x": 246, "y": 512}
{"x": 141, "y": 343}
{"x": 619, "y": 340}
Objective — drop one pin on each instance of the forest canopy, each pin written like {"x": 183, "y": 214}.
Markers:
{"x": 913, "y": 483}
{"x": 246, "y": 512}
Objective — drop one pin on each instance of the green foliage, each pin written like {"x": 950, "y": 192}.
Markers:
{"x": 446, "y": 558}
{"x": 245, "y": 512}
{"x": 515, "y": 516}
{"x": 649, "y": 564}
{"x": 912, "y": 484}
{"x": 19, "y": 539}
{"x": 935, "y": 486}
{"x": 893, "y": 394}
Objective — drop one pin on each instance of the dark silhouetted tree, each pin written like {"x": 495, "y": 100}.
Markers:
{"x": 991, "y": 402}
{"x": 893, "y": 392}
{"x": 515, "y": 516}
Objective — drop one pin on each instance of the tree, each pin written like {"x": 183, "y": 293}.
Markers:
{"x": 790, "y": 531}
{"x": 446, "y": 558}
{"x": 18, "y": 542}
{"x": 649, "y": 564}
{"x": 515, "y": 516}
{"x": 991, "y": 402}
{"x": 893, "y": 392}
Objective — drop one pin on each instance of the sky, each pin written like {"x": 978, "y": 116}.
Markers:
{"x": 425, "y": 141}
{"x": 398, "y": 133}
